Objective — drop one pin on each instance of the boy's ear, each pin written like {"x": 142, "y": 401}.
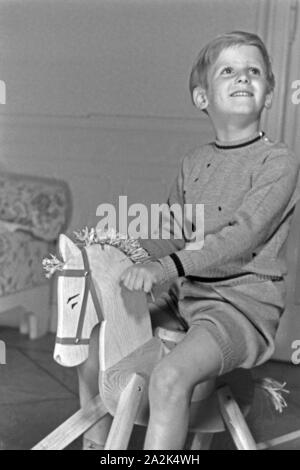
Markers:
{"x": 200, "y": 98}
{"x": 268, "y": 100}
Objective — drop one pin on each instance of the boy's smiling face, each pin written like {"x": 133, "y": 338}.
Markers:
{"x": 237, "y": 85}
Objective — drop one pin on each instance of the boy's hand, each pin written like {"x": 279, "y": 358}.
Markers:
{"x": 142, "y": 276}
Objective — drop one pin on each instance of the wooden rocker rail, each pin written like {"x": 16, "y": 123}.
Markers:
{"x": 86, "y": 417}
{"x": 74, "y": 426}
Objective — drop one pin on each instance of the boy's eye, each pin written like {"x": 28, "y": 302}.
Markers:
{"x": 254, "y": 70}
{"x": 227, "y": 71}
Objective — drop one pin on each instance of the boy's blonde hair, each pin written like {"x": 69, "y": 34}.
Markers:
{"x": 209, "y": 54}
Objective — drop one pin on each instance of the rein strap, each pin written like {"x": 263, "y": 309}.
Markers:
{"x": 89, "y": 286}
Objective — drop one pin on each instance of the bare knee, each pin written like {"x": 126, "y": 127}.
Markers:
{"x": 167, "y": 385}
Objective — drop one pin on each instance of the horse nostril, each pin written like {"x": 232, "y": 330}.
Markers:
{"x": 58, "y": 358}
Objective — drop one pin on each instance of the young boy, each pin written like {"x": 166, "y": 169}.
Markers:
{"x": 229, "y": 294}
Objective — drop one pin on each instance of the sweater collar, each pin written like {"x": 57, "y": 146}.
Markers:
{"x": 239, "y": 143}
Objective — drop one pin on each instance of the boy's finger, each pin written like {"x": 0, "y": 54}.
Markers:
{"x": 124, "y": 274}
{"x": 147, "y": 286}
{"x": 127, "y": 280}
{"x": 130, "y": 282}
{"x": 138, "y": 283}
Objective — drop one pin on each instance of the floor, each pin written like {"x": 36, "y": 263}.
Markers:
{"x": 36, "y": 395}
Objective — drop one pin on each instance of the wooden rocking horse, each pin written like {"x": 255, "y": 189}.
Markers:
{"x": 89, "y": 292}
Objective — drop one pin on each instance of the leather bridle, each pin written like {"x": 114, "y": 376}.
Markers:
{"x": 89, "y": 287}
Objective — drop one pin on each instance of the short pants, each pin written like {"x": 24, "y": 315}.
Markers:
{"x": 242, "y": 317}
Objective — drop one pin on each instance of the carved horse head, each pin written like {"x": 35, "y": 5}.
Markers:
{"x": 90, "y": 292}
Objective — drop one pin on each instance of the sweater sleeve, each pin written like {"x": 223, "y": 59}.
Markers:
{"x": 272, "y": 197}
{"x": 169, "y": 235}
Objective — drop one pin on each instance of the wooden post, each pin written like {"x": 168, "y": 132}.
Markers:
{"x": 235, "y": 420}
{"x": 125, "y": 415}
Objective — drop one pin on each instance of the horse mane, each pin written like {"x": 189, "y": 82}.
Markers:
{"x": 86, "y": 237}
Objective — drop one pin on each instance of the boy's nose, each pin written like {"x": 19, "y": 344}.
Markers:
{"x": 243, "y": 78}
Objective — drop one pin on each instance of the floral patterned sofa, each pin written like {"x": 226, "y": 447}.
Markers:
{"x": 33, "y": 212}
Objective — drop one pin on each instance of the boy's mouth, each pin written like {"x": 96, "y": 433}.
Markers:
{"x": 242, "y": 93}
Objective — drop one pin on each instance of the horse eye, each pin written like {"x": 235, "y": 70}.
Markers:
{"x": 74, "y": 305}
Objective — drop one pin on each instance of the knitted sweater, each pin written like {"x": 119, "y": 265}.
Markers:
{"x": 249, "y": 195}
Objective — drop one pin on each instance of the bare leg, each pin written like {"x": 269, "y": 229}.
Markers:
{"x": 195, "y": 359}
{"x": 88, "y": 373}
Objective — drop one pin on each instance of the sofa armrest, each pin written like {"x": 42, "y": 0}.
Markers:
{"x": 41, "y": 206}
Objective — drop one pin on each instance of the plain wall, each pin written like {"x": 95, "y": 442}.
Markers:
{"x": 97, "y": 91}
